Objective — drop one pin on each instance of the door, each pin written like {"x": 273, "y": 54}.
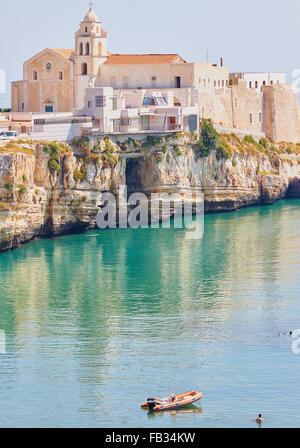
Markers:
{"x": 145, "y": 123}
{"x": 177, "y": 82}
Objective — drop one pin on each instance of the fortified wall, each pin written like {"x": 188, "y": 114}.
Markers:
{"x": 273, "y": 112}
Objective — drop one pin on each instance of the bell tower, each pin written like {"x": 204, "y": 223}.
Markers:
{"x": 90, "y": 53}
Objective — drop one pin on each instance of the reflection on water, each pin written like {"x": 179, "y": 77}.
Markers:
{"x": 94, "y": 323}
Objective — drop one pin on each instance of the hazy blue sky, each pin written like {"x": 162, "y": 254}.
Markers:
{"x": 257, "y": 35}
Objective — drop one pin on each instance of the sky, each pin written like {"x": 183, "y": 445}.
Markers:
{"x": 258, "y": 35}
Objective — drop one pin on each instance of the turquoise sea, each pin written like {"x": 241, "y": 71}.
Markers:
{"x": 96, "y": 323}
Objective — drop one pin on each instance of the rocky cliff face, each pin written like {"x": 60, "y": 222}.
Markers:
{"x": 48, "y": 190}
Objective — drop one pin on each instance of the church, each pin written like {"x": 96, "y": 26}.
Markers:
{"x": 55, "y": 80}
{"x": 116, "y": 91}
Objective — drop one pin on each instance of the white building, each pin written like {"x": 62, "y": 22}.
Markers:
{"x": 256, "y": 80}
{"x": 131, "y": 111}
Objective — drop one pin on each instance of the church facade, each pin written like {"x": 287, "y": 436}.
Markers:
{"x": 55, "y": 80}
{"x": 69, "y": 81}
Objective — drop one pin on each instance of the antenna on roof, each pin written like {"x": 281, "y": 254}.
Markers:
{"x": 208, "y": 55}
{"x": 91, "y": 4}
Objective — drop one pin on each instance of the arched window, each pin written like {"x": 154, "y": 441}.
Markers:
{"x": 87, "y": 48}
{"x": 86, "y": 30}
{"x": 84, "y": 69}
{"x": 81, "y": 48}
{"x": 35, "y": 76}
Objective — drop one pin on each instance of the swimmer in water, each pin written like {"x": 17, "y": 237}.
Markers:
{"x": 259, "y": 419}
{"x": 288, "y": 333}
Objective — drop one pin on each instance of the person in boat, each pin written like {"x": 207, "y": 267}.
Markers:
{"x": 259, "y": 419}
{"x": 172, "y": 397}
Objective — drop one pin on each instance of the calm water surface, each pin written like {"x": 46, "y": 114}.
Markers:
{"x": 96, "y": 323}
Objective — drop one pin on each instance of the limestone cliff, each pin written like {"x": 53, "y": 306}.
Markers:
{"x": 49, "y": 189}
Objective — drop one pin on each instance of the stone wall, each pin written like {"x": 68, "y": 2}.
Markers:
{"x": 281, "y": 111}
{"x": 273, "y": 113}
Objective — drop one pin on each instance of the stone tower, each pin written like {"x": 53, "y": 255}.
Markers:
{"x": 90, "y": 53}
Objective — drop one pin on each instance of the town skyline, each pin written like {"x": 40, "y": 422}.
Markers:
{"x": 195, "y": 40}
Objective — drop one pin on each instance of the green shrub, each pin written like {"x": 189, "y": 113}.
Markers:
{"x": 24, "y": 177}
{"x": 223, "y": 151}
{"x": 79, "y": 175}
{"x": 177, "y": 150}
{"x": 277, "y": 163}
{"x": 159, "y": 159}
{"x": 164, "y": 149}
{"x": 264, "y": 142}
{"x": 9, "y": 187}
{"x": 208, "y": 140}
{"x": 152, "y": 141}
{"x": 53, "y": 149}
{"x": 109, "y": 147}
{"x": 234, "y": 163}
{"x": 22, "y": 189}
{"x": 249, "y": 139}
{"x": 179, "y": 135}
{"x": 54, "y": 166}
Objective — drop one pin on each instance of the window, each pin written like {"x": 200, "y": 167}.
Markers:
{"x": 260, "y": 117}
{"x": 100, "y": 101}
{"x": 113, "y": 81}
{"x": 215, "y": 83}
{"x": 177, "y": 82}
{"x": 86, "y": 29}
{"x": 23, "y": 106}
{"x": 223, "y": 83}
{"x": 87, "y": 47}
{"x": 90, "y": 104}
{"x": 114, "y": 103}
{"x": 250, "y": 85}
{"x": 264, "y": 83}
{"x": 48, "y": 66}
{"x": 60, "y": 76}
{"x": 81, "y": 48}
{"x": 251, "y": 118}
{"x": 256, "y": 84}
{"x": 84, "y": 69}
{"x": 272, "y": 83}
{"x": 125, "y": 82}
{"x": 153, "y": 82}
{"x": 35, "y": 76}
{"x": 155, "y": 100}
{"x": 219, "y": 83}
{"x": 99, "y": 49}
{"x": 204, "y": 83}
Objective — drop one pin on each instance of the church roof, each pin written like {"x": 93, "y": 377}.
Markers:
{"x": 128, "y": 59}
{"x": 65, "y": 52}
{"x": 91, "y": 17}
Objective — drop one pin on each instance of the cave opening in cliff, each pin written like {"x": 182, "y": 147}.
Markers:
{"x": 133, "y": 178}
